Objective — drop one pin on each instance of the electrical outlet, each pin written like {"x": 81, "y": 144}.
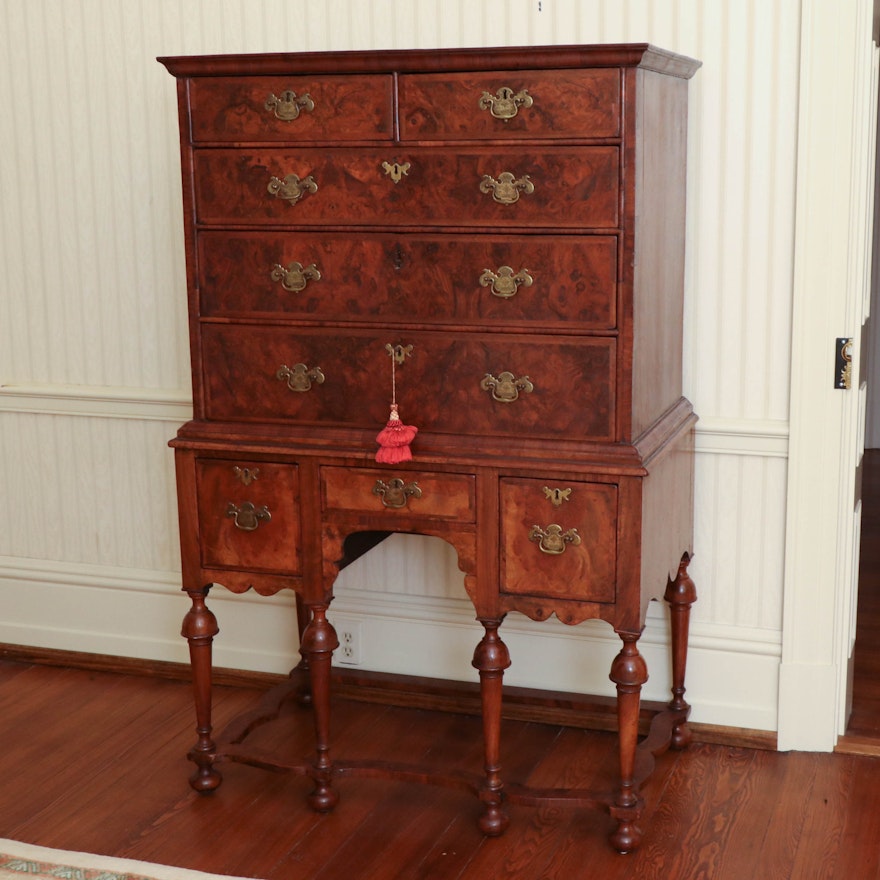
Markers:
{"x": 349, "y": 634}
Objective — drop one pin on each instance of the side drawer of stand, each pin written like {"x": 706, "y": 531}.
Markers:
{"x": 559, "y": 539}
{"x": 249, "y": 515}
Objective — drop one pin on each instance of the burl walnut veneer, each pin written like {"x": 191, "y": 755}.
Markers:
{"x": 504, "y": 231}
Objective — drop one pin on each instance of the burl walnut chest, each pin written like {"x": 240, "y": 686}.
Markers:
{"x": 475, "y": 256}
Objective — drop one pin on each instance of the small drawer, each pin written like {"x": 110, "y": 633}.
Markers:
{"x": 505, "y": 188}
{"x": 249, "y": 515}
{"x": 519, "y": 280}
{"x": 559, "y": 539}
{"x": 431, "y": 495}
{"x": 510, "y": 104}
{"x": 278, "y": 109}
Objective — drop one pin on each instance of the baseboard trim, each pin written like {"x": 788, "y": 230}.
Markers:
{"x": 520, "y": 704}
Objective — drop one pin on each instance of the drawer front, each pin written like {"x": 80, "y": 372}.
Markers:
{"x": 510, "y": 104}
{"x": 468, "y": 383}
{"x": 249, "y": 516}
{"x": 504, "y": 188}
{"x": 438, "y": 496}
{"x": 520, "y": 280}
{"x": 291, "y": 109}
{"x": 558, "y": 539}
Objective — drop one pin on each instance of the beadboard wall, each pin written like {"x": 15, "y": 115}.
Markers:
{"x": 94, "y": 373}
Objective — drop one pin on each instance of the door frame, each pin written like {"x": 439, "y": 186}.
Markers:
{"x": 837, "y": 131}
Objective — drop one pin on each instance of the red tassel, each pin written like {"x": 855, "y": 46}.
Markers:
{"x": 394, "y": 440}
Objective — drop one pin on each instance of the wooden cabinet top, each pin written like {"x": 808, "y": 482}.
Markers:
{"x": 641, "y": 55}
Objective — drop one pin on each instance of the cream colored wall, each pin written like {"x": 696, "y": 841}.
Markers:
{"x": 94, "y": 368}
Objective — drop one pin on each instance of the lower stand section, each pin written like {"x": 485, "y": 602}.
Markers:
{"x": 628, "y": 671}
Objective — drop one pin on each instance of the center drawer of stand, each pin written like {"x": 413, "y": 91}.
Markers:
{"x": 407, "y": 493}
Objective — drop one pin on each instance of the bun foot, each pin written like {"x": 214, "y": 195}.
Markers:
{"x": 494, "y": 822}
{"x": 626, "y": 838}
{"x": 681, "y": 737}
{"x": 205, "y": 780}
{"x": 323, "y": 799}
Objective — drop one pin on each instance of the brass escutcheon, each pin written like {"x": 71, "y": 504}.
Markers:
{"x": 246, "y": 475}
{"x": 295, "y": 277}
{"x": 396, "y": 170}
{"x": 399, "y": 353}
{"x": 248, "y": 517}
{"x": 556, "y": 496}
{"x": 553, "y": 540}
{"x": 505, "y": 282}
{"x": 292, "y": 188}
{"x": 287, "y": 107}
{"x": 504, "y": 104}
{"x": 395, "y": 493}
{"x": 506, "y": 388}
{"x": 299, "y": 377}
{"x": 507, "y": 188}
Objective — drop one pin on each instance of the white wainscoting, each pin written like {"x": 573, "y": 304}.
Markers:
{"x": 407, "y": 593}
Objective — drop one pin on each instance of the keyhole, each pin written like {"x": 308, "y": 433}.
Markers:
{"x": 397, "y": 257}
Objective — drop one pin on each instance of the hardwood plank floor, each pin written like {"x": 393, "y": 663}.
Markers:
{"x": 95, "y": 760}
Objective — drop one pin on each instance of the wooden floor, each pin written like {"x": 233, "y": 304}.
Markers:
{"x": 94, "y": 760}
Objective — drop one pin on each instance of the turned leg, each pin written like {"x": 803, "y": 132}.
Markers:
{"x": 303, "y": 615}
{"x": 629, "y": 673}
{"x": 491, "y": 658}
{"x": 199, "y": 628}
{"x": 319, "y": 641}
{"x": 680, "y": 594}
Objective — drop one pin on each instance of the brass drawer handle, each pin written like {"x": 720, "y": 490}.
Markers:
{"x": 296, "y": 276}
{"x": 506, "y": 388}
{"x": 248, "y": 517}
{"x": 299, "y": 377}
{"x": 395, "y": 493}
{"x": 553, "y": 540}
{"x": 292, "y": 188}
{"x": 504, "y": 104}
{"x": 505, "y": 282}
{"x": 287, "y": 106}
{"x": 507, "y": 188}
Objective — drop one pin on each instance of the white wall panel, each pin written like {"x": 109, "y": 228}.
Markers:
{"x": 88, "y": 490}
{"x": 92, "y": 311}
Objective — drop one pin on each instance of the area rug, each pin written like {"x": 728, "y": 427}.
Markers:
{"x": 23, "y": 861}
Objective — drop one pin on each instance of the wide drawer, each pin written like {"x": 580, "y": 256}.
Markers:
{"x": 519, "y": 280}
{"x": 467, "y": 383}
{"x": 291, "y": 109}
{"x": 433, "y": 495}
{"x": 558, "y": 539}
{"x": 510, "y": 104}
{"x": 501, "y": 188}
{"x": 249, "y": 515}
